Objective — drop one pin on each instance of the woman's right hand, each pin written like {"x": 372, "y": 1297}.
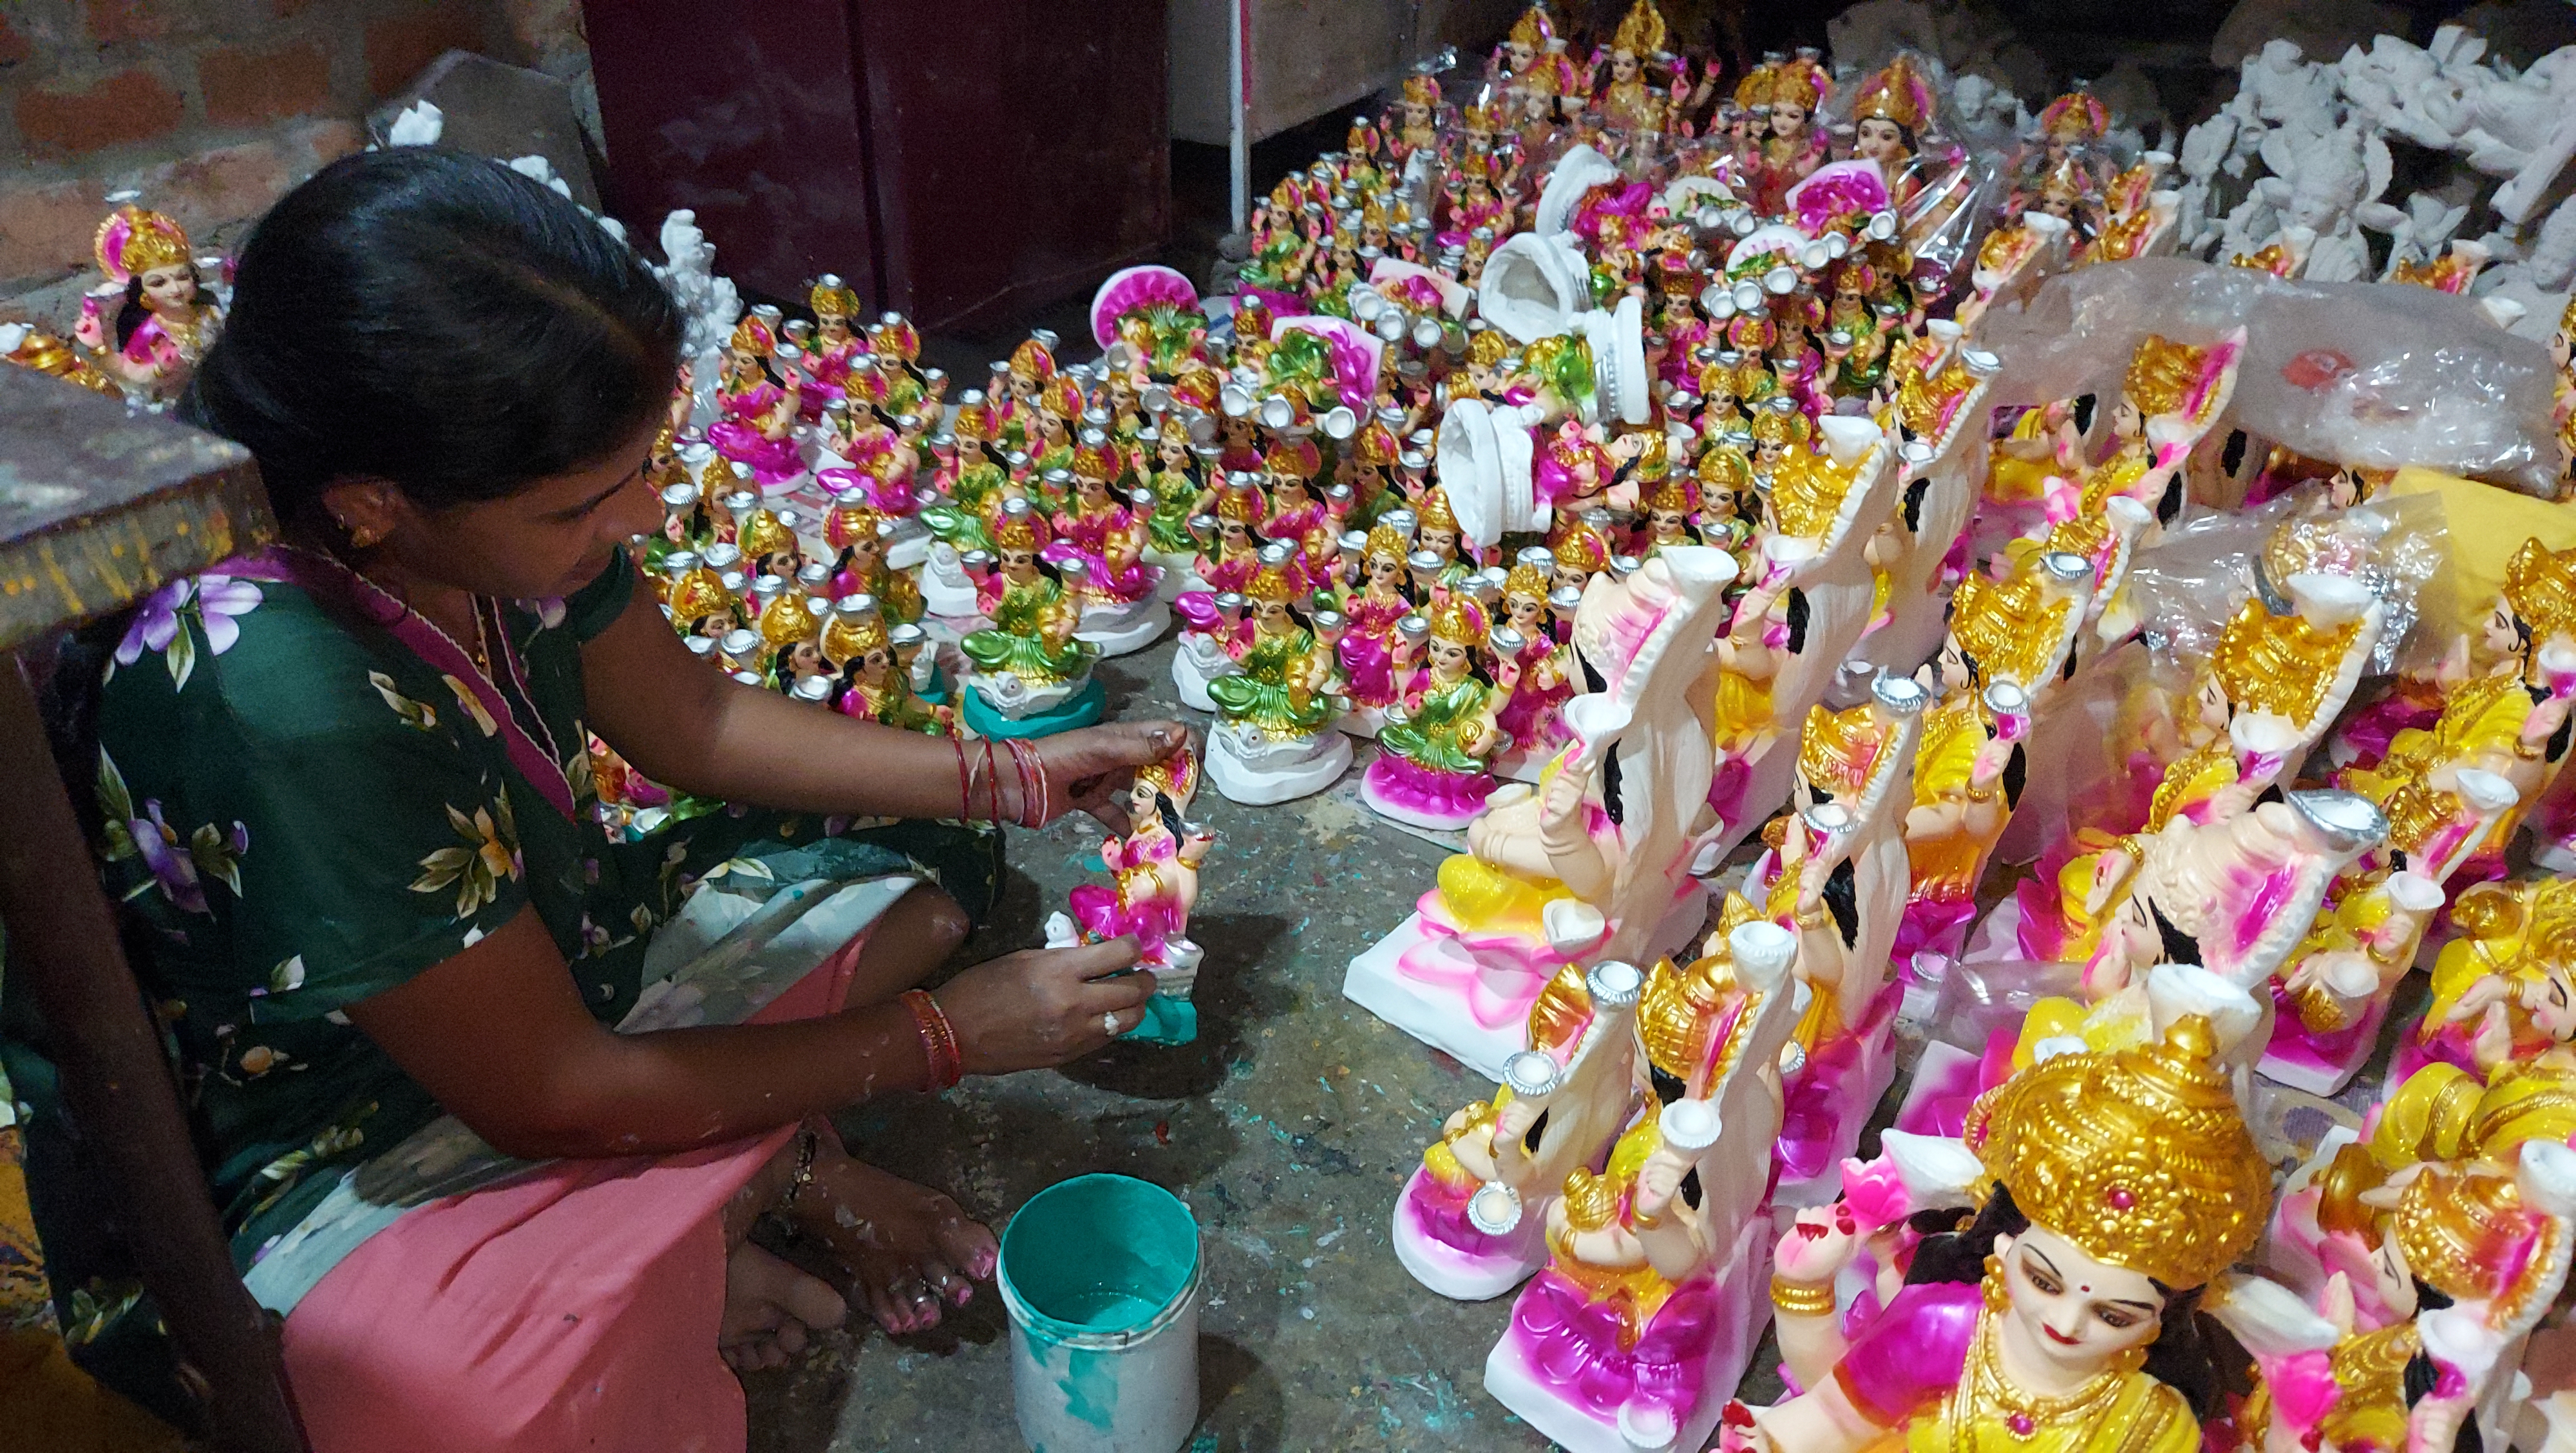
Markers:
{"x": 1043, "y": 1007}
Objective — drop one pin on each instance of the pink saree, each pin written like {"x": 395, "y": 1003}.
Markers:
{"x": 575, "y": 1307}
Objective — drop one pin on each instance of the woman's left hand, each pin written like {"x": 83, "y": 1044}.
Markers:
{"x": 1092, "y": 769}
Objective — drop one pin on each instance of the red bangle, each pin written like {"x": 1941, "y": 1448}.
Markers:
{"x": 938, "y": 1040}
{"x": 992, "y": 785}
{"x": 1033, "y": 783}
{"x": 965, "y": 784}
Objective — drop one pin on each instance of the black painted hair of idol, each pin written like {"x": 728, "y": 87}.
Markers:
{"x": 436, "y": 320}
{"x": 131, "y": 312}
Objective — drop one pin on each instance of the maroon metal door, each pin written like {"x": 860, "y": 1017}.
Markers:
{"x": 1022, "y": 154}
{"x": 961, "y": 164}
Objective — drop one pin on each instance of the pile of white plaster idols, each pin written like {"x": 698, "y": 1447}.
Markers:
{"x": 1860, "y": 565}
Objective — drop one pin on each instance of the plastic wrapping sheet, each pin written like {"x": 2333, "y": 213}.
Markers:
{"x": 2071, "y": 741}
{"x": 1981, "y": 1002}
{"x": 1948, "y": 219}
{"x": 2187, "y": 585}
{"x": 2360, "y": 373}
{"x": 2185, "y": 588}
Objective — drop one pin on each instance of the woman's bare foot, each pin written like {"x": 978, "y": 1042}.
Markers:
{"x": 769, "y": 1308}
{"x": 912, "y": 1252}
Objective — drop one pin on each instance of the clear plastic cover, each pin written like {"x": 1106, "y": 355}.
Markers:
{"x": 2358, "y": 373}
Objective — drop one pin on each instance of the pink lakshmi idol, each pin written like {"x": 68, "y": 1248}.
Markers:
{"x": 1214, "y": 630}
{"x": 759, "y": 416}
{"x": 1784, "y": 96}
{"x": 1155, "y": 873}
{"x": 1305, "y": 522}
{"x": 1156, "y": 866}
{"x": 1544, "y": 676}
{"x": 1096, "y": 525}
{"x": 1371, "y": 610}
{"x": 162, "y": 324}
{"x": 881, "y": 477}
{"x": 827, "y": 363}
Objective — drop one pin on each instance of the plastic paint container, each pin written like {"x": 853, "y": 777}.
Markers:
{"x": 1101, "y": 1276}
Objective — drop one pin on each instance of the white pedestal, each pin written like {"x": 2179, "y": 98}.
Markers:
{"x": 1362, "y": 722}
{"x": 1438, "y": 1015}
{"x": 1180, "y": 574}
{"x": 1197, "y": 661}
{"x": 1274, "y": 772}
{"x": 945, "y": 588}
{"x": 910, "y": 552}
{"x": 1123, "y": 630}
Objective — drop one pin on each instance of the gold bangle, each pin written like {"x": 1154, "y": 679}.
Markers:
{"x": 1802, "y": 1299}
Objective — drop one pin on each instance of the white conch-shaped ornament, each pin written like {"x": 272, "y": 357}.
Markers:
{"x": 1486, "y": 460}
{"x": 2177, "y": 991}
{"x": 1575, "y": 173}
{"x": 2268, "y": 1318}
{"x": 1573, "y": 928}
{"x": 1848, "y": 439}
{"x": 1618, "y": 339}
{"x": 1937, "y": 1170}
{"x": 1535, "y": 285}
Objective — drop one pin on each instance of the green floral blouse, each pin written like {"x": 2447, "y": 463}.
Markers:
{"x": 302, "y": 813}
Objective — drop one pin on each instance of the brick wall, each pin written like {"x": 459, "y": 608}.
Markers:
{"x": 211, "y": 108}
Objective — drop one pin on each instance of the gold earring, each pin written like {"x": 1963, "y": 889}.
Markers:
{"x": 365, "y": 537}
{"x": 1997, "y": 1295}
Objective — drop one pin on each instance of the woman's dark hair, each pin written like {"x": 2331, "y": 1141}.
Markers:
{"x": 436, "y": 320}
{"x": 1169, "y": 814}
{"x": 2180, "y": 1357}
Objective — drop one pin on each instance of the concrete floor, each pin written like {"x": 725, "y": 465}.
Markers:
{"x": 1288, "y": 1128}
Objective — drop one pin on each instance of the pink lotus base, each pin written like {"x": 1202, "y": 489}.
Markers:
{"x": 1830, "y": 1100}
{"x": 1560, "y": 1368}
{"x": 1470, "y": 998}
{"x": 1422, "y": 797}
{"x": 2321, "y": 1064}
{"x": 1445, "y": 1253}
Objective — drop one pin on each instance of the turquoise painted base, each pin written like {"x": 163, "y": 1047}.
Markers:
{"x": 1081, "y": 709}
{"x": 1167, "y": 1021}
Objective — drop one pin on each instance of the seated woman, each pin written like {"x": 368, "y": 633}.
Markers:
{"x": 345, "y": 796}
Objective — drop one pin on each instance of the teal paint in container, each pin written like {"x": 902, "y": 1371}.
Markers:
{"x": 1101, "y": 1276}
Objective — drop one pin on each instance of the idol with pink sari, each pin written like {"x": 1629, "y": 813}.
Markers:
{"x": 1371, "y": 610}
{"x": 759, "y": 415}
